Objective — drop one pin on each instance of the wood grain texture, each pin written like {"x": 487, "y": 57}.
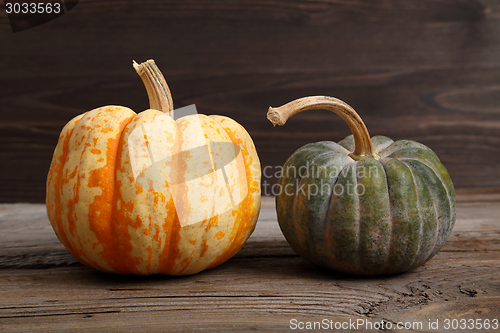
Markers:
{"x": 262, "y": 288}
{"x": 426, "y": 70}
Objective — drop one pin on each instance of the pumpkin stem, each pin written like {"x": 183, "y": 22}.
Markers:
{"x": 156, "y": 86}
{"x": 362, "y": 141}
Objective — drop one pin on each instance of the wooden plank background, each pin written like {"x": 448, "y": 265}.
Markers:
{"x": 427, "y": 70}
{"x": 44, "y": 289}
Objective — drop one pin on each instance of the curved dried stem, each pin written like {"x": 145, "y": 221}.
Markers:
{"x": 362, "y": 141}
{"x": 156, "y": 86}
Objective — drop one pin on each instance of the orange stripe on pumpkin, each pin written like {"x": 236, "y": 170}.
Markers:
{"x": 245, "y": 211}
{"x": 168, "y": 257}
{"x": 54, "y": 181}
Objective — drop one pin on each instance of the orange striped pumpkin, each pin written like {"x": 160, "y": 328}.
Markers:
{"x": 109, "y": 220}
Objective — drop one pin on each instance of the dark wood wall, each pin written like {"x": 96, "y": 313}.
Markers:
{"x": 427, "y": 70}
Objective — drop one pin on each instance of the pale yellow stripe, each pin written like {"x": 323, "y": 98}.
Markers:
{"x": 87, "y": 152}
{"x": 146, "y": 163}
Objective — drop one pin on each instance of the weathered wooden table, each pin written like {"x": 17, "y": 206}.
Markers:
{"x": 265, "y": 286}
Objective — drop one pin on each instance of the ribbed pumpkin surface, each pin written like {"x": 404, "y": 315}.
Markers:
{"x": 110, "y": 222}
{"x": 369, "y": 216}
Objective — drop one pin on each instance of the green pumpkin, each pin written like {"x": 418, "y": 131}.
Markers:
{"x": 363, "y": 206}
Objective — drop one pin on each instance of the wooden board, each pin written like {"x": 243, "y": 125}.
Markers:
{"x": 264, "y": 287}
{"x": 426, "y": 70}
